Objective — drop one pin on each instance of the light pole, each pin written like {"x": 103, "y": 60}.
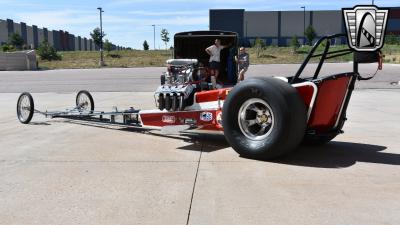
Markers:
{"x": 372, "y": 2}
{"x": 304, "y": 25}
{"x": 154, "y": 36}
{"x": 101, "y": 63}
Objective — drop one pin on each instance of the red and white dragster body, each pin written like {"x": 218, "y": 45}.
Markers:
{"x": 204, "y": 114}
{"x": 323, "y": 102}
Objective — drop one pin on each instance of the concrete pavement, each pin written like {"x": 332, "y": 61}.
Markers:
{"x": 62, "y": 172}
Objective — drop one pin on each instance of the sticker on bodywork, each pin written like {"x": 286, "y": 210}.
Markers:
{"x": 206, "y": 116}
{"x": 168, "y": 119}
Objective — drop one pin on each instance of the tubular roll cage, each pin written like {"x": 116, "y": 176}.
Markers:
{"x": 326, "y": 54}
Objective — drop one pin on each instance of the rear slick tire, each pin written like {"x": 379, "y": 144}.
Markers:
{"x": 264, "y": 118}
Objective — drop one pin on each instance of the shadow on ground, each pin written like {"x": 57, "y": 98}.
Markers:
{"x": 337, "y": 154}
{"x": 334, "y": 154}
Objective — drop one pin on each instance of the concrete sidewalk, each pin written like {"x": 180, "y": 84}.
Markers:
{"x": 62, "y": 172}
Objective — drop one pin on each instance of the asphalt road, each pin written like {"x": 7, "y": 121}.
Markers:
{"x": 147, "y": 79}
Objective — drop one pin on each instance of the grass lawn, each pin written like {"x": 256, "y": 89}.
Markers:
{"x": 90, "y": 59}
{"x": 138, "y": 58}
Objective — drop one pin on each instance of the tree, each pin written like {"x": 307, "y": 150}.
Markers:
{"x": 165, "y": 37}
{"x": 145, "y": 45}
{"x": 107, "y": 46}
{"x": 97, "y": 36}
{"x": 310, "y": 34}
{"x": 16, "y": 40}
{"x": 259, "y": 44}
{"x": 295, "y": 43}
{"x": 47, "y": 52}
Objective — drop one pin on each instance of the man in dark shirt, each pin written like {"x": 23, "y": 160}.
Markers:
{"x": 243, "y": 61}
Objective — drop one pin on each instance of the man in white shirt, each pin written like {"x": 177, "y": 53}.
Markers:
{"x": 215, "y": 59}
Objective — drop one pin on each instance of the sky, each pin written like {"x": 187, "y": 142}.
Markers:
{"x": 128, "y": 22}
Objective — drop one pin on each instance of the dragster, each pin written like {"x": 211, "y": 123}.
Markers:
{"x": 264, "y": 117}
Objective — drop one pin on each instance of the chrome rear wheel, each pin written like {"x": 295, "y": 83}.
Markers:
{"x": 256, "y": 119}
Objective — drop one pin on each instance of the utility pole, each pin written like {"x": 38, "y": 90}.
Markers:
{"x": 101, "y": 63}
{"x": 154, "y": 36}
{"x": 304, "y": 25}
{"x": 373, "y": 2}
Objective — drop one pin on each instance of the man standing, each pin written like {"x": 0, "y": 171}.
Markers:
{"x": 243, "y": 61}
{"x": 215, "y": 58}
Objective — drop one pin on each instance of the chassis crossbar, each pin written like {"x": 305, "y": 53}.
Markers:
{"x": 127, "y": 117}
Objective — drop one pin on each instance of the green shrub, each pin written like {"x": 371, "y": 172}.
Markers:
{"x": 114, "y": 55}
{"x": 295, "y": 44}
{"x": 107, "y": 45}
{"x": 47, "y": 52}
{"x": 7, "y": 48}
{"x": 16, "y": 40}
{"x": 259, "y": 44}
{"x": 310, "y": 34}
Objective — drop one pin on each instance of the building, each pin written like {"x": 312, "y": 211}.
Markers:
{"x": 59, "y": 39}
{"x": 278, "y": 27}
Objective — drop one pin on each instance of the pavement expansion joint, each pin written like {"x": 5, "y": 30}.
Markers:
{"x": 194, "y": 184}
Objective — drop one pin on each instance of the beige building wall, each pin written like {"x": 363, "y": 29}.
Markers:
{"x": 260, "y": 24}
{"x": 41, "y": 36}
{"x": 325, "y": 22}
{"x": 17, "y": 28}
{"x": 51, "y": 37}
{"x": 76, "y": 44}
{"x": 3, "y": 31}
{"x": 29, "y": 34}
{"x": 292, "y": 23}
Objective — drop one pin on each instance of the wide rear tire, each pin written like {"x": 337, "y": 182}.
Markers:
{"x": 264, "y": 118}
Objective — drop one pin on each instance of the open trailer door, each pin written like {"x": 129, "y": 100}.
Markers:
{"x": 192, "y": 45}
